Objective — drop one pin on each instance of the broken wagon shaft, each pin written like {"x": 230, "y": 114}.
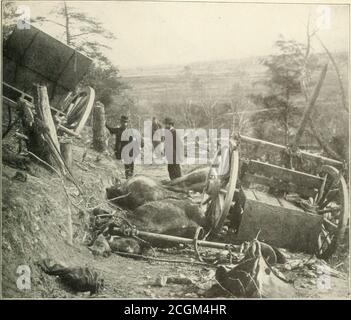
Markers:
{"x": 68, "y": 131}
{"x": 304, "y": 154}
{"x": 140, "y": 256}
{"x": 176, "y": 239}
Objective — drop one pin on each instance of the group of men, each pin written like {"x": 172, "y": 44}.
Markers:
{"x": 171, "y": 146}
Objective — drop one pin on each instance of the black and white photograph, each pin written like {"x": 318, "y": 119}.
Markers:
{"x": 175, "y": 150}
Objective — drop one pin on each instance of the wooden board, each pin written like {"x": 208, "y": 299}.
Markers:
{"x": 277, "y": 147}
{"x": 279, "y": 222}
{"x": 283, "y": 174}
{"x": 249, "y": 179}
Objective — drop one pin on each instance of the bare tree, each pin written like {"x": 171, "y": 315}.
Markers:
{"x": 305, "y": 83}
{"x": 78, "y": 29}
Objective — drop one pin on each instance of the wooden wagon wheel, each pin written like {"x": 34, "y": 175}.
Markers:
{"x": 78, "y": 109}
{"x": 333, "y": 204}
{"x": 220, "y": 186}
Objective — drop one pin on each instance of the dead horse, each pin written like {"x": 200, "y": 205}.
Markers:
{"x": 139, "y": 190}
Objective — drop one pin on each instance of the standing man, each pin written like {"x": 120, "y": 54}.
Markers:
{"x": 155, "y": 126}
{"x": 119, "y": 144}
{"x": 172, "y": 149}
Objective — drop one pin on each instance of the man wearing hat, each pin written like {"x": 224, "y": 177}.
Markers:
{"x": 155, "y": 126}
{"x": 172, "y": 149}
{"x": 119, "y": 144}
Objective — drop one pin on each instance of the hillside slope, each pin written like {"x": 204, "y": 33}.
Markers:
{"x": 34, "y": 224}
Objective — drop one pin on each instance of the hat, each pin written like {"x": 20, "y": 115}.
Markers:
{"x": 169, "y": 120}
{"x": 124, "y": 118}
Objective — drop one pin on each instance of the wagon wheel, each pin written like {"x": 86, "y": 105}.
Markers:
{"x": 333, "y": 204}
{"x": 220, "y": 186}
{"x": 78, "y": 109}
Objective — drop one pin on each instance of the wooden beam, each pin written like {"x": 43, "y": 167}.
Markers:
{"x": 304, "y": 154}
{"x": 284, "y": 174}
{"x": 68, "y": 131}
{"x": 45, "y": 114}
{"x": 279, "y": 185}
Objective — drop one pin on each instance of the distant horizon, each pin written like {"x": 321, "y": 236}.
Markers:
{"x": 180, "y": 33}
{"x": 179, "y": 65}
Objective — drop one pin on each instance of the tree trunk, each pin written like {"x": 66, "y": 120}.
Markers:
{"x": 99, "y": 132}
{"x": 310, "y": 106}
{"x": 68, "y": 35}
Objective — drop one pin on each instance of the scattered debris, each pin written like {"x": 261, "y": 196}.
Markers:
{"x": 253, "y": 277}
{"x": 125, "y": 244}
{"x": 79, "y": 279}
{"x": 100, "y": 247}
{"x": 20, "y": 176}
{"x": 161, "y": 281}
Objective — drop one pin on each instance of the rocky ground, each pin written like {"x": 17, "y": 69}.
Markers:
{"x": 34, "y": 224}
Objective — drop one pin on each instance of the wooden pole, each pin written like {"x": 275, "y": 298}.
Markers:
{"x": 175, "y": 239}
{"x": 47, "y": 128}
{"x": 44, "y": 110}
{"x": 99, "y": 131}
{"x": 304, "y": 154}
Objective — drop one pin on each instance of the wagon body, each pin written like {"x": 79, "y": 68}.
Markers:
{"x": 297, "y": 200}
{"x": 32, "y": 57}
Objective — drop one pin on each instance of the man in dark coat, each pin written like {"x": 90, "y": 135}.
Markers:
{"x": 155, "y": 126}
{"x": 174, "y": 169}
{"x": 119, "y": 145}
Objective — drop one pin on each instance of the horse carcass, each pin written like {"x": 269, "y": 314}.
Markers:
{"x": 139, "y": 190}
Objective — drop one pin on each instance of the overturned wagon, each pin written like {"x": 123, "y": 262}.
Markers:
{"x": 287, "y": 207}
{"x": 32, "y": 58}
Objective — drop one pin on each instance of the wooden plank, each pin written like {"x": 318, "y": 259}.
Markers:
{"x": 289, "y": 205}
{"x": 283, "y": 186}
{"x": 21, "y": 93}
{"x": 266, "y": 198}
{"x": 249, "y": 194}
{"x": 46, "y": 116}
{"x": 68, "y": 131}
{"x": 304, "y": 154}
{"x": 288, "y": 175}
{"x": 288, "y": 227}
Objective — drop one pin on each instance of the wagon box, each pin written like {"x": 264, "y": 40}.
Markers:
{"x": 281, "y": 206}
{"x": 32, "y": 58}
{"x": 278, "y": 222}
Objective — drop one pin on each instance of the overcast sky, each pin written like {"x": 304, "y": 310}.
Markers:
{"x": 154, "y": 33}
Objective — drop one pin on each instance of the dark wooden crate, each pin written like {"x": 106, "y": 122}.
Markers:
{"x": 281, "y": 223}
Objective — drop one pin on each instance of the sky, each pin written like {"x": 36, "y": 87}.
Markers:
{"x": 157, "y": 33}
